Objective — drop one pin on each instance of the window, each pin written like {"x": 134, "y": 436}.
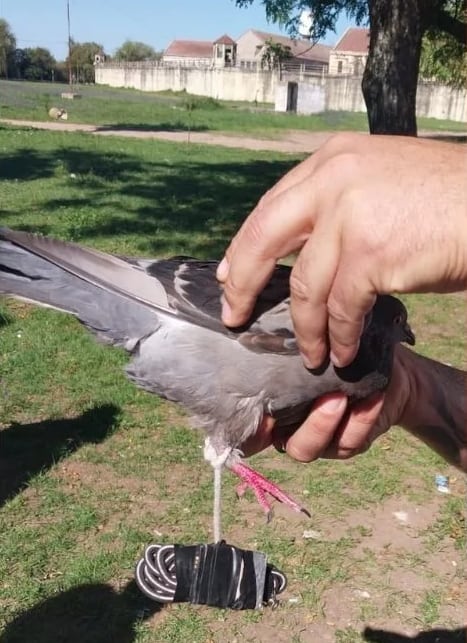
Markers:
{"x": 339, "y": 67}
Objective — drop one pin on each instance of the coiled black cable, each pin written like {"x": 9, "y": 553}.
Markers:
{"x": 156, "y": 576}
{"x": 155, "y": 573}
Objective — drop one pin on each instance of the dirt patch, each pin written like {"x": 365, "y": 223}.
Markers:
{"x": 290, "y": 142}
{"x": 394, "y": 593}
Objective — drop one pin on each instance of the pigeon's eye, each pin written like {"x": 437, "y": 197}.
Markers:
{"x": 398, "y": 320}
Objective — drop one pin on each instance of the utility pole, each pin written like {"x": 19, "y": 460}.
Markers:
{"x": 70, "y": 75}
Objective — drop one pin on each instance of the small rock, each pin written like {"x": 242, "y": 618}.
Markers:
{"x": 311, "y": 533}
{"x": 401, "y": 516}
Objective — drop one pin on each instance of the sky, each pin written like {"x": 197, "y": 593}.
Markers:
{"x": 43, "y": 23}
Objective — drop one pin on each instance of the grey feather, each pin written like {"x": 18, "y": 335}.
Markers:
{"x": 166, "y": 313}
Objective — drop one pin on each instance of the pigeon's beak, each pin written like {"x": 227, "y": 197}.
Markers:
{"x": 407, "y": 335}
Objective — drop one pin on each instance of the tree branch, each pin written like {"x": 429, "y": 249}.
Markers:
{"x": 457, "y": 28}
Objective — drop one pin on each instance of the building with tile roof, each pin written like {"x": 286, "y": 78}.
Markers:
{"x": 348, "y": 56}
{"x": 201, "y": 53}
{"x": 252, "y": 44}
{"x": 246, "y": 52}
{"x": 192, "y": 53}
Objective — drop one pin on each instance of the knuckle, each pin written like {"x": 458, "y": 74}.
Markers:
{"x": 299, "y": 288}
{"x": 255, "y": 228}
{"x": 347, "y": 299}
{"x": 341, "y": 162}
{"x": 265, "y": 199}
{"x": 342, "y": 140}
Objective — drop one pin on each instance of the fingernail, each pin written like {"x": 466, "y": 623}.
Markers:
{"x": 332, "y": 405}
{"x": 306, "y": 361}
{"x": 222, "y": 270}
{"x": 339, "y": 362}
{"x": 335, "y": 360}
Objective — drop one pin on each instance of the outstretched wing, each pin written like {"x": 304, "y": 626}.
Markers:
{"x": 194, "y": 292}
{"x": 108, "y": 292}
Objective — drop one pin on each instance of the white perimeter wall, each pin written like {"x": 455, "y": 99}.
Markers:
{"x": 314, "y": 93}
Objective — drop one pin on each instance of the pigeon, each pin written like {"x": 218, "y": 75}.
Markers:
{"x": 167, "y": 314}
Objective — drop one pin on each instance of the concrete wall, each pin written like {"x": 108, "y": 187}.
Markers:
{"x": 223, "y": 84}
{"x": 439, "y": 101}
{"x": 342, "y": 93}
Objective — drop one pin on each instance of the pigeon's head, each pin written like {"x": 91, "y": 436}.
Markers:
{"x": 391, "y": 311}
{"x": 386, "y": 325}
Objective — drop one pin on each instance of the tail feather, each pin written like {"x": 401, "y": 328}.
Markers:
{"x": 98, "y": 268}
{"x": 117, "y": 301}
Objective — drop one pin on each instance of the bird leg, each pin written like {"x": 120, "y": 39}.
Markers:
{"x": 250, "y": 479}
{"x": 261, "y": 486}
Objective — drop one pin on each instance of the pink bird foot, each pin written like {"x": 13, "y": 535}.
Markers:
{"x": 251, "y": 479}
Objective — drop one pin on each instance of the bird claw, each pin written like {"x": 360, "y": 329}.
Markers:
{"x": 262, "y": 486}
{"x": 241, "y": 489}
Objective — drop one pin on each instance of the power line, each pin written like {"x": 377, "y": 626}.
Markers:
{"x": 45, "y": 42}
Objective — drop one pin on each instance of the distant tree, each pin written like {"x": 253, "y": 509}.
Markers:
{"x": 82, "y": 60}
{"x": 397, "y": 28}
{"x": 18, "y": 63}
{"x": 7, "y": 49}
{"x": 61, "y": 72}
{"x": 35, "y": 63}
{"x": 275, "y": 54}
{"x": 443, "y": 59}
{"x": 134, "y": 51}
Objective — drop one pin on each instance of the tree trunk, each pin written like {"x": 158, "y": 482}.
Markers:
{"x": 390, "y": 79}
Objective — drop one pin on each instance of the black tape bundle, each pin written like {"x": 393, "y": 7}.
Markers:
{"x": 219, "y": 575}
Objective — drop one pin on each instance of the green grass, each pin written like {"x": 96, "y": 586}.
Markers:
{"x": 94, "y": 469}
{"x": 126, "y": 108}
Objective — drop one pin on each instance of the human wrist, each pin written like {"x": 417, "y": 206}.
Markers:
{"x": 435, "y": 407}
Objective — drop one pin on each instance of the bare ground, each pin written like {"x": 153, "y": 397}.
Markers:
{"x": 291, "y": 142}
{"x": 391, "y": 569}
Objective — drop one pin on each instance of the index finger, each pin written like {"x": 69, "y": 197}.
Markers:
{"x": 273, "y": 230}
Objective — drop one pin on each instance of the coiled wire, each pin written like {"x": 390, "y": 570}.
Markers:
{"x": 156, "y": 575}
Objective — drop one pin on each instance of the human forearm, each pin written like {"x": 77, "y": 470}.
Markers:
{"x": 436, "y": 409}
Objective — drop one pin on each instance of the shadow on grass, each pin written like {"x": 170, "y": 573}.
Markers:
{"x": 93, "y": 613}
{"x": 446, "y": 138}
{"x": 5, "y": 319}
{"x": 429, "y": 636}
{"x": 188, "y": 203}
{"x": 29, "y": 449}
{"x": 153, "y": 127}
{"x": 28, "y": 164}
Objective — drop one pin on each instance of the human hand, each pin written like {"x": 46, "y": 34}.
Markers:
{"x": 333, "y": 430}
{"x": 371, "y": 214}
